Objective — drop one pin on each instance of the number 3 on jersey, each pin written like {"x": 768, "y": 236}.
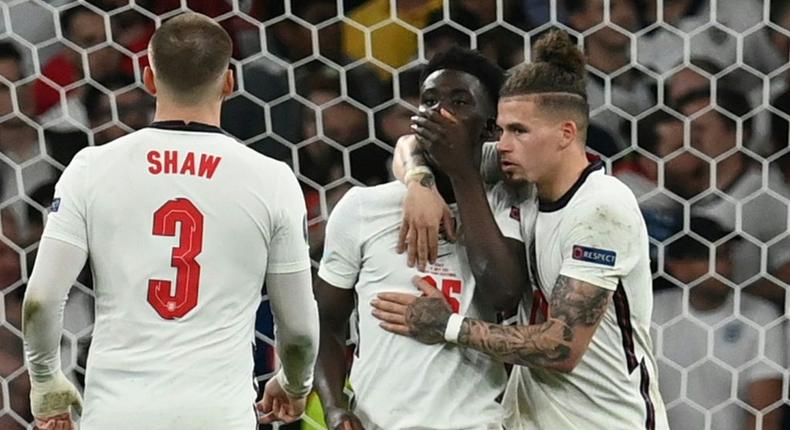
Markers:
{"x": 451, "y": 289}
{"x": 176, "y": 304}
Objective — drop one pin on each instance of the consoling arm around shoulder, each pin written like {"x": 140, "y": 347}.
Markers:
{"x": 296, "y": 328}
{"x": 575, "y": 311}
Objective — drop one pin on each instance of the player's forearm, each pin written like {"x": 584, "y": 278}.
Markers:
{"x": 408, "y": 155}
{"x": 330, "y": 371}
{"x": 42, "y": 325}
{"x": 57, "y": 265}
{"x": 499, "y": 267}
{"x": 296, "y": 328}
{"x": 546, "y": 345}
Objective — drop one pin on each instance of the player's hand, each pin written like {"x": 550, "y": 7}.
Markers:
{"x": 425, "y": 216}
{"x": 277, "y": 405}
{"x": 52, "y": 402}
{"x": 341, "y": 419}
{"x": 448, "y": 140}
{"x": 423, "y": 318}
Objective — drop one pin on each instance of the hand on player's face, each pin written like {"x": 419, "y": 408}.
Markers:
{"x": 448, "y": 138}
{"x": 423, "y": 318}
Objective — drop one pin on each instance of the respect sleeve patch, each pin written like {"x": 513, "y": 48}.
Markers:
{"x": 594, "y": 255}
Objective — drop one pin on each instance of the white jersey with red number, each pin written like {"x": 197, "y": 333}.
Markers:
{"x": 398, "y": 382}
{"x": 181, "y": 224}
{"x": 596, "y": 234}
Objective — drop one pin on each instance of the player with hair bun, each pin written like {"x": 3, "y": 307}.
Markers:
{"x": 582, "y": 346}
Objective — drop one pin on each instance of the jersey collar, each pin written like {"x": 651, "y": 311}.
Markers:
{"x": 186, "y": 126}
{"x": 554, "y": 206}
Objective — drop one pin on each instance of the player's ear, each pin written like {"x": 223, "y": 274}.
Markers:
{"x": 148, "y": 80}
{"x": 568, "y": 132}
{"x": 230, "y": 82}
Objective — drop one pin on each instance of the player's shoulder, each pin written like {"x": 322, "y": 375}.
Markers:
{"x": 605, "y": 196}
{"x": 376, "y": 195}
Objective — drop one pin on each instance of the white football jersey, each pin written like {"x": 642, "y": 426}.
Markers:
{"x": 596, "y": 234}
{"x": 181, "y": 224}
{"x": 400, "y": 383}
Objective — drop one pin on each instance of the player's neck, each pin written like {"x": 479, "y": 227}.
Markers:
{"x": 206, "y": 114}
{"x": 564, "y": 176}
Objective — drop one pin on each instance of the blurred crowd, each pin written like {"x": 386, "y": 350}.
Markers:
{"x": 692, "y": 114}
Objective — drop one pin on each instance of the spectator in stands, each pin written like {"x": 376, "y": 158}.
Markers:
{"x": 85, "y": 29}
{"x": 134, "y": 106}
{"x": 737, "y": 177}
{"x": 19, "y": 143}
{"x": 11, "y": 69}
{"x": 660, "y": 134}
{"x": 662, "y": 50}
{"x": 711, "y": 303}
{"x": 608, "y": 50}
{"x": 10, "y": 61}
{"x": 686, "y": 80}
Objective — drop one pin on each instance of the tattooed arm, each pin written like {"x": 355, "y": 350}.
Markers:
{"x": 575, "y": 310}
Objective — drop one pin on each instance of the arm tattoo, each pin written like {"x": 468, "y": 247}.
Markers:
{"x": 531, "y": 345}
{"x": 573, "y": 304}
{"x": 577, "y": 302}
{"x": 427, "y": 319}
{"x": 427, "y": 180}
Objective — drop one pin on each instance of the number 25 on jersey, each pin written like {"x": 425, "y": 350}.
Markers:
{"x": 169, "y": 303}
{"x": 451, "y": 289}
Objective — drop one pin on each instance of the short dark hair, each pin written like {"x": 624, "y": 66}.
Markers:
{"x": 732, "y": 101}
{"x": 647, "y": 130}
{"x": 468, "y": 61}
{"x": 189, "y": 52}
{"x": 67, "y": 16}
{"x": 9, "y": 51}
{"x": 557, "y": 77}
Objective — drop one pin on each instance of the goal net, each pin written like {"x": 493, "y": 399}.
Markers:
{"x": 689, "y": 106}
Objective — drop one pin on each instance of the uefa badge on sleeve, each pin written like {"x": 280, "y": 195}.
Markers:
{"x": 55, "y": 205}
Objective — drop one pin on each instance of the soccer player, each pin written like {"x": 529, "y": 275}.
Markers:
{"x": 182, "y": 225}
{"x": 397, "y": 382}
{"x": 584, "y": 358}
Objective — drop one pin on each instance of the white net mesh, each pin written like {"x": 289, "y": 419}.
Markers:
{"x": 690, "y": 108}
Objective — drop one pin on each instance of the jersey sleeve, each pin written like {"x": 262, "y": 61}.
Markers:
{"x": 342, "y": 257}
{"x": 67, "y": 220}
{"x": 288, "y": 249}
{"x": 600, "y": 243}
{"x": 506, "y": 210}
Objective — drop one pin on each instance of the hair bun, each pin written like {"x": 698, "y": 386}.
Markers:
{"x": 556, "y": 48}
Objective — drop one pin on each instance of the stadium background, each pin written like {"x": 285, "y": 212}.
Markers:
{"x": 679, "y": 89}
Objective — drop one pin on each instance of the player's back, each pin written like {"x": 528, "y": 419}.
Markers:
{"x": 179, "y": 221}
